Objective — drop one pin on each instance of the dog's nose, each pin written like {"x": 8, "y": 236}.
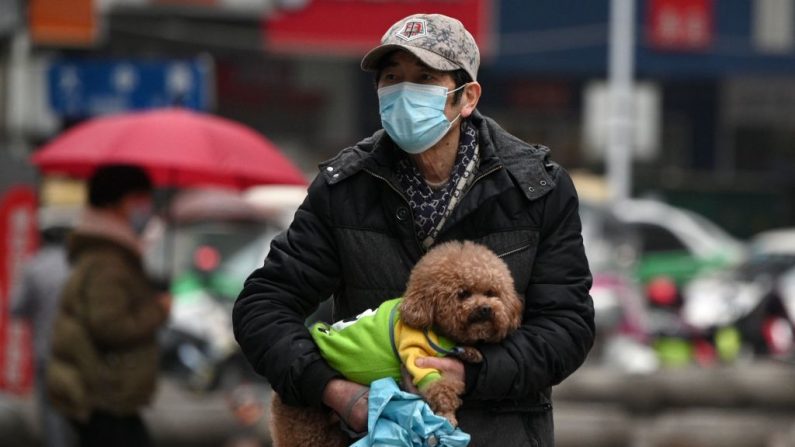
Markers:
{"x": 483, "y": 312}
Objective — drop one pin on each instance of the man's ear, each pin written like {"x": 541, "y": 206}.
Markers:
{"x": 470, "y": 98}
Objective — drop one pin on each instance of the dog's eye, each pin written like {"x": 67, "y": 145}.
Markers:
{"x": 491, "y": 293}
{"x": 464, "y": 294}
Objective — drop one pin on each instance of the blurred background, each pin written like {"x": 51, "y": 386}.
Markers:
{"x": 676, "y": 119}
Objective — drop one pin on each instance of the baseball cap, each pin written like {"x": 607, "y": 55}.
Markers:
{"x": 439, "y": 41}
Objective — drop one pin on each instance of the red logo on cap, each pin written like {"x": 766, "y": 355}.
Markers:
{"x": 413, "y": 29}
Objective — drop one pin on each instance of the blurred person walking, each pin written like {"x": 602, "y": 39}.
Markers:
{"x": 35, "y": 298}
{"x": 439, "y": 171}
{"x": 104, "y": 363}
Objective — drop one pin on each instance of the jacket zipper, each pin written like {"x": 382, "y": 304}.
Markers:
{"x": 411, "y": 212}
{"x": 405, "y": 201}
{"x": 477, "y": 179}
{"x": 515, "y": 250}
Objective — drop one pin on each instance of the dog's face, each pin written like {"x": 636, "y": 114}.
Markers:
{"x": 465, "y": 292}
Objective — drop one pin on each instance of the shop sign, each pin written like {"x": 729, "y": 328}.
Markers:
{"x": 680, "y": 25}
{"x": 353, "y": 27}
{"x": 221, "y": 5}
{"x": 63, "y": 22}
{"x": 18, "y": 241}
{"x": 81, "y": 88}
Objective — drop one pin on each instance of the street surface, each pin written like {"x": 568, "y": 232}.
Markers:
{"x": 748, "y": 405}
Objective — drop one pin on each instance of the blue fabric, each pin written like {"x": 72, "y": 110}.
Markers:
{"x": 398, "y": 418}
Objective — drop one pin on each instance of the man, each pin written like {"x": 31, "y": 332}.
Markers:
{"x": 438, "y": 171}
{"x": 104, "y": 360}
{"x": 35, "y": 298}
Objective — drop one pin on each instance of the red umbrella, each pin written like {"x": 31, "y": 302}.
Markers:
{"x": 178, "y": 147}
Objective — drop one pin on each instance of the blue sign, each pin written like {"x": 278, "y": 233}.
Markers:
{"x": 81, "y": 88}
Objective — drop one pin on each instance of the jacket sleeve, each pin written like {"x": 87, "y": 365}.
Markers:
{"x": 300, "y": 271}
{"x": 121, "y": 311}
{"x": 557, "y": 330}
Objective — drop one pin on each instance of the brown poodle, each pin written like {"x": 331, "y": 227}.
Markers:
{"x": 462, "y": 292}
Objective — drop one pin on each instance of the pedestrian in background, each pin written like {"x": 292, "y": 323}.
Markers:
{"x": 104, "y": 361}
{"x": 439, "y": 171}
{"x": 35, "y": 299}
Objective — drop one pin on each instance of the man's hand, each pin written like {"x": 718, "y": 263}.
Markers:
{"x": 349, "y": 401}
{"x": 165, "y": 300}
{"x": 449, "y": 367}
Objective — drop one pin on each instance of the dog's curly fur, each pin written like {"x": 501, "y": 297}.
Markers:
{"x": 460, "y": 289}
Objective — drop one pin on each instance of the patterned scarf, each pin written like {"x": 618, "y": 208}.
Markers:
{"x": 432, "y": 206}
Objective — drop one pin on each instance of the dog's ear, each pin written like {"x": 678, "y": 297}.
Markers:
{"x": 416, "y": 309}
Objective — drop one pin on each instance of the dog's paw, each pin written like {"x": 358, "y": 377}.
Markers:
{"x": 450, "y": 417}
{"x": 470, "y": 354}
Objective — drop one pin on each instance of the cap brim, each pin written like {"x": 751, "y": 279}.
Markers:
{"x": 371, "y": 60}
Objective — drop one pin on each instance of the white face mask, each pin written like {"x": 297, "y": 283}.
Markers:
{"x": 139, "y": 217}
{"x": 413, "y": 114}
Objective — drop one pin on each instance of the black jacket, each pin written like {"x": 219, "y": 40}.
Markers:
{"x": 353, "y": 239}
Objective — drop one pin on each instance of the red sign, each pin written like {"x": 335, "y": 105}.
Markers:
{"x": 353, "y": 27}
{"x": 202, "y": 3}
{"x": 18, "y": 241}
{"x": 680, "y": 25}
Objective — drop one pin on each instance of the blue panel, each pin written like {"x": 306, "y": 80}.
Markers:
{"x": 570, "y": 37}
{"x": 87, "y": 87}
{"x": 549, "y": 36}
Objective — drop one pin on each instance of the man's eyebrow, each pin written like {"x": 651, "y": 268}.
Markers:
{"x": 390, "y": 63}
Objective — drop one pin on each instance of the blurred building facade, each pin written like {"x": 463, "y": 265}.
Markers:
{"x": 718, "y": 140}
{"x": 714, "y": 104}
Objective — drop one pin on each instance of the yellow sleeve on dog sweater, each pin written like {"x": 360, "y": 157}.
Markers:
{"x": 412, "y": 344}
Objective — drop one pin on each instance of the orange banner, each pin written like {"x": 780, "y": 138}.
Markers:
{"x": 63, "y": 22}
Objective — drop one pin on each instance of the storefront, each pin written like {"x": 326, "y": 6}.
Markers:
{"x": 723, "y": 74}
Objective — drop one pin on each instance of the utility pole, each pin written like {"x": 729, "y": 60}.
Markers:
{"x": 621, "y": 67}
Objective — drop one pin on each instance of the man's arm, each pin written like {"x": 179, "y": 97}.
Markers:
{"x": 300, "y": 271}
{"x": 557, "y": 330}
{"x": 113, "y": 320}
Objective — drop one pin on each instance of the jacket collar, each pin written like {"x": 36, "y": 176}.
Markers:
{"x": 98, "y": 229}
{"x": 528, "y": 165}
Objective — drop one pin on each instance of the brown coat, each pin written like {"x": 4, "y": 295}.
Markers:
{"x": 104, "y": 351}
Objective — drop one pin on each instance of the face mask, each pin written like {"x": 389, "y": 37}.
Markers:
{"x": 413, "y": 114}
{"x": 139, "y": 217}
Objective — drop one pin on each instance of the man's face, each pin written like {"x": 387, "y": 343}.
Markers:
{"x": 137, "y": 201}
{"x": 137, "y": 206}
{"x": 402, "y": 66}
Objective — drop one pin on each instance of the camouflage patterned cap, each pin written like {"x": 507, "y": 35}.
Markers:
{"x": 439, "y": 41}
